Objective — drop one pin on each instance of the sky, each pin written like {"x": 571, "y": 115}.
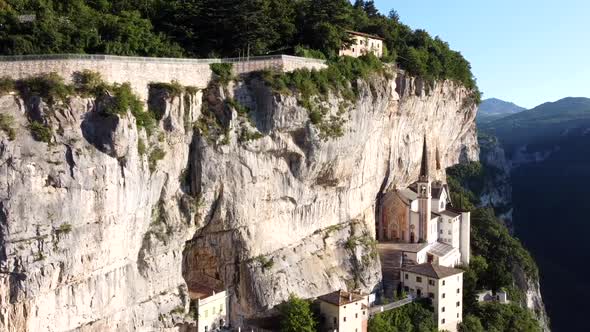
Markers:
{"x": 524, "y": 51}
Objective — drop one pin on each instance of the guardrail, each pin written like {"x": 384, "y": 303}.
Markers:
{"x": 105, "y": 57}
{"x": 386, "y": 307}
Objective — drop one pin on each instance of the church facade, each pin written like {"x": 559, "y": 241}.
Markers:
{"x": 422, "y": 214}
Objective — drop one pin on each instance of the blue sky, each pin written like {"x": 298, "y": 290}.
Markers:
{"x": 523, "y": 51}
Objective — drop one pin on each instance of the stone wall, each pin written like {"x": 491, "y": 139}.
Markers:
{"x": 141, "y": 71}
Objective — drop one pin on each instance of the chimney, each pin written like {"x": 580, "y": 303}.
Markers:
{"x": 349, "y": 296}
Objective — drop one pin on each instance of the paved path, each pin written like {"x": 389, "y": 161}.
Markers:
{"x": 391, "y": 260}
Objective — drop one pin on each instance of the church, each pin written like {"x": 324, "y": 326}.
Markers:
{"x": 422, "y": 217}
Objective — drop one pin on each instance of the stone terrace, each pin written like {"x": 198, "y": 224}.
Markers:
{"x": 140, "y": 71}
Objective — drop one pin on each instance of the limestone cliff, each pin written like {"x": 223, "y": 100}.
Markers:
{"x": 106, "y": 227}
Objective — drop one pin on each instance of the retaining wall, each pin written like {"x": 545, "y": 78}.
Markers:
{"x": 140, "y": 71}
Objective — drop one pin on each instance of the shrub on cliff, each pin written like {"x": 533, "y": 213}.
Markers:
{"x": 7, "y": 85}
{"x": 223, "y": 72}
{"x": 40, "y": 132}
{"x": 50, "y": 87}
{"x": 7, "y": 126}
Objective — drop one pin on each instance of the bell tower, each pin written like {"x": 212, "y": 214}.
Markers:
{"x": 424, "y": 186}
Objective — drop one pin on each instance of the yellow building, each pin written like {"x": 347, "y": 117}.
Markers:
{"x": 443, "y": 285}
{"x": 362, "y": 44}
{"x": 345, "y": 311}
{"x": 211, "y": 306}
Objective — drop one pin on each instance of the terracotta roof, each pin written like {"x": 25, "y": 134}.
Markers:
{"x": 432, "y": 271}
{"x": 341, "y": 297}
{"x": 362, "y": 34}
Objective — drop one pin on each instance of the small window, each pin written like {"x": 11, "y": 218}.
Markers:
{"x": 357, "y": 315}
{"x": 443, "y": 321}
{"x": 431, "y": 282}
{"x": 407, "y": 276}
{"x": 418, "y": 279}
{"x": 441, "y": 231}
{"x": 443, "y": 295}
{"x": 206, "y": 328}
{"x": 344, "y": 319}
{"x": 457, "y": 315}
{"x": 363, "y": 312}
{"x": 335, "y": 320}
{"x": 458, "y": 290}
{"x": 431, "y": 295}
{"x": 443, "y": 282}
{"x": 458, "y": 303}
{"x": 406, "y": 288}
{"x": 206, "y": 313}
{"x": 449, "y": 232}
{"x": 443, "y": 309}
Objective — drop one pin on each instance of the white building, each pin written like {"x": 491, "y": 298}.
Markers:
{"x": 345, "y": 311}
{"x": 362, "y": 44}
{"x": 211, "y": 307}
{"x": 423, "y": 214}
{"x": 443, "y": 285}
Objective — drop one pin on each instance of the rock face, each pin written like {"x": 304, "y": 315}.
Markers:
{"x": 107, "y": 227}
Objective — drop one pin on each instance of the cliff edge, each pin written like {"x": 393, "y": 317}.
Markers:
{"x": 106, "y": 226}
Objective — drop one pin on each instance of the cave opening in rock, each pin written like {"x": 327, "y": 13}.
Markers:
{"x": 200, "y": 270}
{"x": 209, "y": 301}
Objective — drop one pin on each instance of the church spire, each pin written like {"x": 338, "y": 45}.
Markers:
{"x": 424, "y": 169}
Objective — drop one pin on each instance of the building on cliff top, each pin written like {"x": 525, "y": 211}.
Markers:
{"x": 443, "y": 286}
{"x": 362, "y": 44}
{"x": 422, "y": 215}
{"x": 344, "y": 311}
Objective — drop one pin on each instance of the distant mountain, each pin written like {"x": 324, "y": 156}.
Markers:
{"x": 492, "y": 109}
{"x": 541, "y": 124}
{"x": 548, "y": 152}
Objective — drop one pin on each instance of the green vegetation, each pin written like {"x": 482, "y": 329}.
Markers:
{"x": 174, "y": 89}
{"x": 141, "y": 148}
{"x": 223, "y": 72}
{"x": 77, "y": 26}
{"x": 64, "y": 228}
{"x": 7, "y": 85}
{"x": 248, "y": 135}
{"x": 7, "y": 126}
{"x": 265, "y": 263}
{"x": 309, "y": 53}
{"x": 40, "y": 132}
{"x": 413, "y": 317}
{"x": 50, "y": 87}
{"x": 313, "y": 86}
{"x": 297, "y": 316}
{"x": 496, "y": 255}
{"x": 223, "y": 28}
{"x": 89, "y": 84}
{"x": 156, "y": 155}
{"x": 500, "y": 317}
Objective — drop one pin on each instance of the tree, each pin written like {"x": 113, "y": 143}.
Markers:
{"x": 296, "y": 316}
{"x": 371, "y": 9}
{"x": 471, "y": 324}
